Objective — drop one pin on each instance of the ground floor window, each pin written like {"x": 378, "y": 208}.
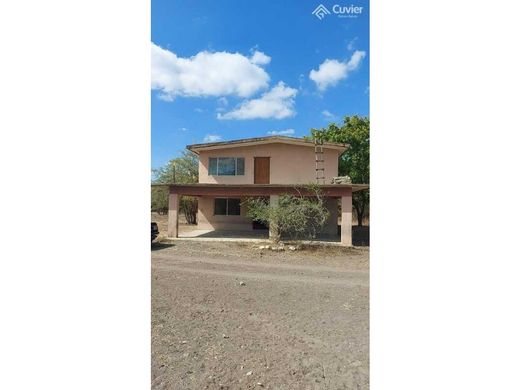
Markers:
{"x": 227, "y": 206}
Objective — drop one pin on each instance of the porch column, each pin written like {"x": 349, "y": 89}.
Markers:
{"x": 346, "y": 219}
{"x": 273, "y": 201}
{"x": 173, "y": 215}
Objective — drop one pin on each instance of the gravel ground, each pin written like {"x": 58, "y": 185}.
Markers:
{"x": 230, "y": 316}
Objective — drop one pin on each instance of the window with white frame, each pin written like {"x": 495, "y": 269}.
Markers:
{"x": 226, "y": 166}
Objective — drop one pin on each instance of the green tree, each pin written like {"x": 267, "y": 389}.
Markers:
{"x": 180, "y": 170}
{"x": 160, "y": 200}
{"x": 355, "y": 162}
{"x": 294, "y": 216}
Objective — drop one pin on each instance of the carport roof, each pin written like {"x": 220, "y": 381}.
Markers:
{"x": 259, "y": 189}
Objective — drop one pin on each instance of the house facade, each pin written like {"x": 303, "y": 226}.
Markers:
{"x": 231, "y": 171}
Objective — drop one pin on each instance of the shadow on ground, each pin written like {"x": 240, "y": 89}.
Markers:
{"x": 258, "y": 234}
{"x": 156, "y": 246}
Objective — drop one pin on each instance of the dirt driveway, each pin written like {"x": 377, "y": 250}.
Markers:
{"x": 227, "y": 316}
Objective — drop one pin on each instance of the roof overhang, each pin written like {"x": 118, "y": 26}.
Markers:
{"x": 197, "y": 148}
{"x": 202, "y": 189}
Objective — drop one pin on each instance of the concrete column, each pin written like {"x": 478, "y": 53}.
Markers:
{"x": 173, "y": 215}
{"x": 346, "y": 219}
{"x": 273, "y": 201}
{"x": 331, "y": 226}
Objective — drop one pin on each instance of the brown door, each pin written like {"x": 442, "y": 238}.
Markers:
{"x": 262, "y": 170}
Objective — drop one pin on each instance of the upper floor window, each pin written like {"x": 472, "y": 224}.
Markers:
{"x": 226, "y": 166}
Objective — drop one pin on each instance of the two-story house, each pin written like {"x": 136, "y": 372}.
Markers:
{"x": 268, "y": 166}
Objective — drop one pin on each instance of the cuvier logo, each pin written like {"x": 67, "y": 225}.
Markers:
{"x": 321, "y": 11}
{"x": 341, "y": 11}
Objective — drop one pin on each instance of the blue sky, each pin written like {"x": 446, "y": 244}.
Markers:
{"x": 233, "y": 69}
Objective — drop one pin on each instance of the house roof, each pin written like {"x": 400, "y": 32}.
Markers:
{"x": 196, "y": 148}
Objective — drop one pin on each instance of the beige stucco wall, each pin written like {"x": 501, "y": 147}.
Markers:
{"x": 290, "y": 164}
{"x": 331, "y": 226}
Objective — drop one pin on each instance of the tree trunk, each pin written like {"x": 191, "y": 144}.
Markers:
{"x": 360, "y": 212}
{"x": 360, "y": 218}
{"x": 191, "y": 215}
{"x": 274, "y": 233}
{"x": 189, "y": 209}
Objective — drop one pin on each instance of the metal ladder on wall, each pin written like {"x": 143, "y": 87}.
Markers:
{"x": 320, "y": 161}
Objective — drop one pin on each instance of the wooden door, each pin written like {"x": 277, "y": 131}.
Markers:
{"x": 262, "y": 170}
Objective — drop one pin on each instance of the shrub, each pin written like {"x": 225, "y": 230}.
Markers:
{"x": 294, "y": 217}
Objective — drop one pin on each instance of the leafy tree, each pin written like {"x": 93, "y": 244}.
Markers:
{"x": 355, "y": 162}
{"x": 294, "y": 217}
{"x": 160, "y": 200}
{"x": 180, "y": 170}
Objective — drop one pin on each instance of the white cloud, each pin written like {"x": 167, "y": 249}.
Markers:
{"x": 260, "y": 58}
{"x": 207, "y": 74}
{"x": 355, "y": 60}
{"x": 328, "y": 115}
{"x": 183, "y": 129}
{"x": 301, "y": 80}
{"x": 165, "y": 97}
{"x": 281, "y": 132}
{"x": 212, "y": 138}
{"x": 222, "y": 104}
{"x": 277, "y": 103}
{"x": 330, "y": 72}
{"x": 351, "y": 44}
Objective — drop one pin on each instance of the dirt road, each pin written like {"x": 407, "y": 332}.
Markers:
{"x": 226, "y": 316}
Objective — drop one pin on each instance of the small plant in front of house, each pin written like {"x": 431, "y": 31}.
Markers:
{"x": 299, "y": 216}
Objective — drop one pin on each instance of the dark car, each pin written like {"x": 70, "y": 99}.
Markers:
{"x": 155, "y": 230}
